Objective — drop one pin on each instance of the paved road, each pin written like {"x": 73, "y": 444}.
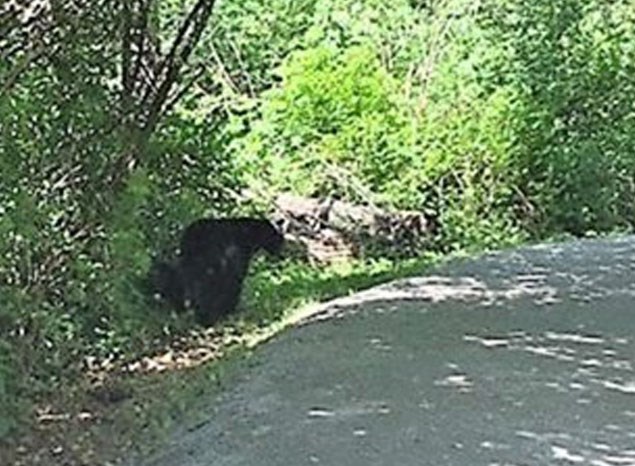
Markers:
{"x": 517, "y": 358}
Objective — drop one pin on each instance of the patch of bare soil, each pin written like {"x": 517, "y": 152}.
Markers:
{"x": 94, "y": 420}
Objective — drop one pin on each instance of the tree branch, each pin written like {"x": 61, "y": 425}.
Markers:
{"x": 30, "y": 57}
{"x": 126, "y": 51}
{"x": 169, "y": 104}
{"x": 183, "y": 45}
{"x": 141, "y": 37}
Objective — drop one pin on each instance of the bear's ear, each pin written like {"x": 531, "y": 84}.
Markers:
{"x": 272, "y": 240}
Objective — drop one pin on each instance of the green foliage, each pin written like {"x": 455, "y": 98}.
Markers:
{"x": 334, "y": 109}
{"x": 251, "y": 37}
{"x": 572, "y": 63}
{"x": 78, "y": 228}
{"x": 347, "y": 120}
{"x": 505, "y": 118}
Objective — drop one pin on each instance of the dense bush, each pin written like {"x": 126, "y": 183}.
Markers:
{"x": 573, "y": 65}
{"x": 78, "y": 229}
{"x": 334, "y": 108}
{"x": 422, "y": 134}
{"x": 505, "y": 118}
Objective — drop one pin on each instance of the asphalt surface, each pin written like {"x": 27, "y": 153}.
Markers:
{"x": 522, "y": 357}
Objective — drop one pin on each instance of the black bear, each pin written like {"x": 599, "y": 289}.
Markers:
{"x": 212, "y": 263}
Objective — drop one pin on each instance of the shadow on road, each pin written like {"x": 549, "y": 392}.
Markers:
{"x": 518, "y": 358}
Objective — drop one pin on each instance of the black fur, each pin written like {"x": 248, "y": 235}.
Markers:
{"x": 213, "y": 261}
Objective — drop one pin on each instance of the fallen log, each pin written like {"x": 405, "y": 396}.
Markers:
{"x": 324, "y": 230}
